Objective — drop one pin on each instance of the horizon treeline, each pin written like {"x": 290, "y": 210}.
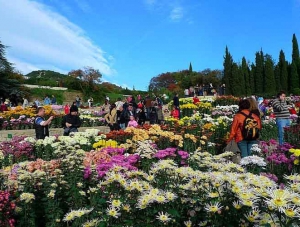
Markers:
{"x": 264, "y": 76}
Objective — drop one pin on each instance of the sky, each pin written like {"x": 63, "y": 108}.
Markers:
{"x": 131, "y": 41}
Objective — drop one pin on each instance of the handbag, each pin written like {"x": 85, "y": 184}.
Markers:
{"x": 232, "y": 147}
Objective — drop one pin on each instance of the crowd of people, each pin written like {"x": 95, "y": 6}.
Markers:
{"x": 205, "y": 90}
{"x": 133, "y": 112}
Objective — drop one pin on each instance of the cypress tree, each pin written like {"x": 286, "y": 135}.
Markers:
{"x": 235, "y": 80}
{"x": 269, "y": 82}
{"x": 283, "y": 72}
{"x": 258, "y": 74}
{"x": 190, "y": 68}
{"x": 246, "y": 79}
{"x": 252, "y": 78}
{"x": 277, "y": 77}
{"x": 295, "y": 54}
{"x": 294, "y": 79}
{"x": 228, "y": 62}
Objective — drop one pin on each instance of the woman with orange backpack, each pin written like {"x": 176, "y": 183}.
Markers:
{"x": 245, "y": 128}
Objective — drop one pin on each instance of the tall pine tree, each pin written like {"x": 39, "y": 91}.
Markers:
{"x": 295, "y": 54}
{"x": 277, "y": 77}
{"x": 252, "y": 78}
{"x": 269, "y": 78}
{"x": 235, "y": 80}
{"x": 246, "y": 78}
{"x": 283, "y": 72}
{"x": 190, "y": 68}
{"x": 228, "y": 62}
{"x": 259, "y": 73}
{"x": 294, "y": 79}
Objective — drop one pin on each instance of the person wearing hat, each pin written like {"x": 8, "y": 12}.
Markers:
{"x": 71, "y": 122}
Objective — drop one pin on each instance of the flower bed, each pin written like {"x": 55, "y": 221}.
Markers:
{"x": 148, "y": 176}
{"x": 18, "y": 118}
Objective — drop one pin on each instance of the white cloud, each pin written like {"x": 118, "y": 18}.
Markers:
{"x": 176, "y": 13}
{"x": 39, "y": 37}
{"x": 83, "y": 5}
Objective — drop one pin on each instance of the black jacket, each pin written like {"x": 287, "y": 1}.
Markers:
{"x": 71, "y": 119}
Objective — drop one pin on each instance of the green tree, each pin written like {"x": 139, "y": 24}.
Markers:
{"x": 246, "y": 78}
{"x": 259, "y": 72}
{"x": 277, "y": 78}
{"x": 235, "y": 80}
{"x": 283, "y": 72}
{"x": 252, "y": 78}
{"x": 228, "y": 63}
{"x": 295, "y": 54}
{"x": 294, "y": 79}
{"x": 190, "y": 68}
{"x": 269, "y": 78}
{"x": 8, "y": 84}
{"x": 89, "y": 77}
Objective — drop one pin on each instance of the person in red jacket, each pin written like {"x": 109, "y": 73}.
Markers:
{"x": 195, "y": 99}
{"x": 67, "y": 108}
{"x": 175, "y": 112}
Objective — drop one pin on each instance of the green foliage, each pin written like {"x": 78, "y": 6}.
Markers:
{"x": 259, "y": 69}
{"x": 269, "y": 78}
{"x": 294, "y": 78}
{"x": 235, "y": 80}
{"x": 41, "y": 93}
{"x": 246, "y": 77}
{"x": 228, "y": 62}
{"x": 8, "y": 85}
{"x": 283, "y": 72}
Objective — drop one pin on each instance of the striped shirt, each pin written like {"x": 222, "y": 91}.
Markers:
{"x": 281, "y": 109}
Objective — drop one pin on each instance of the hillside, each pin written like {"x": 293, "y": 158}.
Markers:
{"x": 45, "y": 74}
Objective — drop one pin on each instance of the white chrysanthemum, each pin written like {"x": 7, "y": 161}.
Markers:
{"x": 91, "y": 223}
{"x": 76, "y": 214}
{"x": 253, "y": 160}
{"x": 213, "y": 207}
{"x": 113, "y": 212}
{"x": 163, "y": 217}
{"x": 27, "y": 197}
{"x": 256, "y": 149}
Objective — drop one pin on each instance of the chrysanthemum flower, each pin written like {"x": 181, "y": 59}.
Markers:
{"x": 213, "y": 208}
{"x": 163, "y": 217}
{"x": 113, "y": 212}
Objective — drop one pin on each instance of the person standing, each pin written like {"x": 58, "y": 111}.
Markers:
{"x": 148, "y": 106}
{"x": 53, "y": 100}
{"x": 129, "y": 112}
{"x": 121, "y": 117}
{"x": 77, "y": 99}
{"x": 25, "y": 103}
{"x": 41, "y": 125}
{"x": 37, "y": 103}
{"x": 238, "y": 125}
{"x": 111, "y": 118}
{"x": 282, "y": 115}
{"x": 118, "y": 104}
{"x": 67, "y": 109}
{"x": 47, "y": 101}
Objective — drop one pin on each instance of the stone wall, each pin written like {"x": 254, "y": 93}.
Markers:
{"x": 5, "y": 134}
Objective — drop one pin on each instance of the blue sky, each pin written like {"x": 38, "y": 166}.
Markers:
{"x": 132, "y": 41}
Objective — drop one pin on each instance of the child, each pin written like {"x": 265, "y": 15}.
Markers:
{"x": 67, "y": 109}
{"x": 175, "y": 112}
{"x": 132, "y": 122}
